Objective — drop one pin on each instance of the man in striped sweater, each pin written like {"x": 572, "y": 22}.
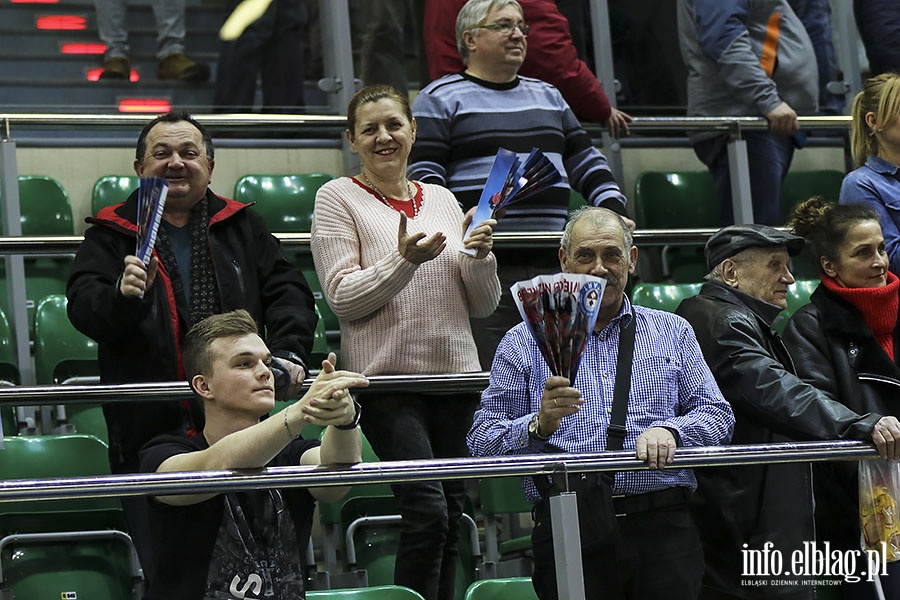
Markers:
{"x": 464, "y": 118}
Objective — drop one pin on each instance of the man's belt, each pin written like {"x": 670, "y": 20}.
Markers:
{"x": 639, "y": 503}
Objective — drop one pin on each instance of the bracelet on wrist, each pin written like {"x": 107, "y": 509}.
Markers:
{"x": 288, "y": 427}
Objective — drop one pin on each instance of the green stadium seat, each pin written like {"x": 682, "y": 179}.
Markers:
{"x": 511, "y": 588}
{"x": 9, "y": 374}
{"x": 61, "y": 352}
{"x": 285, "y": 201}
{"x": 370, "y": 511}
{"x": 9, "y": 370}
{"x": 679, "y": 199}
{"x": 112, "y": 189}
{"x": 676, "y": 199}
{"x": 44, "y": 207}
{"x": 54, "y": 547}
{"x": 663, "y": 296}
{"x": 45, "y": 210}
{"x": 799, "y": 186}
{"x": 503, "y": 496}
{"x": 383, "y": 592}
{"x": 62, "y": 355}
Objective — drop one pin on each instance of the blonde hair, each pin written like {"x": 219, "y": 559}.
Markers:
{"x": 880, "y": 96}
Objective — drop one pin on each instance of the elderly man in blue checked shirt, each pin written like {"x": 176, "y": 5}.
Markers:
{"x": 673, "y": 401}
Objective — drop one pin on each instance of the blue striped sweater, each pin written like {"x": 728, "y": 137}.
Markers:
{"x": 463, "y": 120}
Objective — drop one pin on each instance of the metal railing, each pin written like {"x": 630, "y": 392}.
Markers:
{"x": 207, "y": 482}
{"x": 563, "y": 508}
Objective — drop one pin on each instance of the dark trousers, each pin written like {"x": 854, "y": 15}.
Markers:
{"x": 404, "y": 426}
{"x": 272, "y": 47}
{"x": 137, "y": 517}
{"x": 769, "y": 158}
{"x": 657, "y": 555}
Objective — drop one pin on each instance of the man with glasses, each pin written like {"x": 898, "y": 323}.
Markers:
{"x": 554, "y": 58}
{"x": 463, "y": 119}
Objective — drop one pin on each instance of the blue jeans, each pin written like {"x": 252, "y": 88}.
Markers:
{"x": 403, "y": 426}
{"x": 769, "y": 158}
{"x": 170, "y": 28}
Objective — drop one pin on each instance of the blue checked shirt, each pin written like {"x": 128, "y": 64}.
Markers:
{"x": 671, "y": 386}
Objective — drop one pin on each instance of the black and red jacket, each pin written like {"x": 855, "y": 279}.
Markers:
{"x": 140, "y": 339}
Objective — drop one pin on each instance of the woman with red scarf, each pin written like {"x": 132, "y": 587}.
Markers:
{"x": 846, "y": 342}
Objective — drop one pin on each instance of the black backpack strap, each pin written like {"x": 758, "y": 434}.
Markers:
{"x": 615, "y": 433}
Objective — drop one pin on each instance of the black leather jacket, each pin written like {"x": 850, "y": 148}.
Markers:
{"x": 139, "y": 339}
{"x": 838, "y": 353}
{"x": 758, "y": 503}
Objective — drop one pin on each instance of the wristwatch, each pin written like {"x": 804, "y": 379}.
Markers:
{"x": 355, "y": 422}
{"x": 534, "y": 429}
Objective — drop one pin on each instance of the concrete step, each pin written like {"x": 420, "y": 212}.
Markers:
{"x": 104, "y": 96}
{"x": 74, "y": 68}
{"x": 142, "y": 42}
{"x": 138, "y": 16}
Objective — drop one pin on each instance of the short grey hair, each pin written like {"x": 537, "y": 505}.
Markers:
{"x": 472, "y": 14}
{"x": 744, "y": 256}
{"x": 595, "y": 215}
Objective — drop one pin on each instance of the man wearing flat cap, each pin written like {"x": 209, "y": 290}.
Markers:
{"x": 742, "y": 509}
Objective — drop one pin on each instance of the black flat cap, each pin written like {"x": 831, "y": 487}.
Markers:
{"x": 730, "y": 240}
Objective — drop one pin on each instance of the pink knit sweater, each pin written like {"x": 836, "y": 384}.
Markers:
{"x": 397, "y": 318}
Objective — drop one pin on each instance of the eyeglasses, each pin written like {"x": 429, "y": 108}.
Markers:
{"x": 506, "y": 27}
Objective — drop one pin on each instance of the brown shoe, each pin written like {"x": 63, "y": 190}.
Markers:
{"x": 178, "y": 66}
{"x": 116, "y": 67}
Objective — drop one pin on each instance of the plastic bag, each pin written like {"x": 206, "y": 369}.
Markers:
{"x": 879, "y": 490}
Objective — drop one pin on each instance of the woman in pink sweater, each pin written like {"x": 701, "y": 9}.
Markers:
{"x": 387, "y": 251}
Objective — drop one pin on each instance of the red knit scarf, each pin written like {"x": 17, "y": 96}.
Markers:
{"x": 878, "y": 307}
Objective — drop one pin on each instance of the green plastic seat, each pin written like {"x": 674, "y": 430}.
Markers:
{"x": 9, "y": 371}
{"x": 663, "y": 296}
{"x": 9, "y": 374}
{"x": 361, "y": 500}
{"x": 510, "y": 588}
{"x": 382, "y": 592}
{"x": 40, "y": 457}
{"x": 112, "y": 189}
{"x": 503, "y": 496}
{"x": 678, "y": 199}
{"x": 44, "y": 207}
{"x": 285, "y": 201}
{"x": 61, "y": 352}
{"x": 799, "y": 186}
{"x": 375, "y": 544}
{"x": 45, "y": 210}
{"x": 67, "y": 559}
